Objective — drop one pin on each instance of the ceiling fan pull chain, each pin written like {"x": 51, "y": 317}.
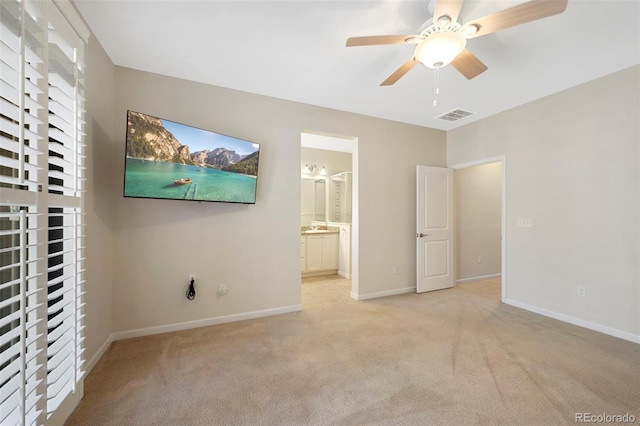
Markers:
{"x": 437, "y": 88}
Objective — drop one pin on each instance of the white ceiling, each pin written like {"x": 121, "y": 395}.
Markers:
{"x": 296, "y": 50}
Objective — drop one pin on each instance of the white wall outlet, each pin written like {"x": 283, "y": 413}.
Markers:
{"x": 394, "y": 270}
{"x": 192, "y": 277}
{"x": 479, "y": 260}
{"x": 524, "y": 222}
{"x": 222, "y": 289}
{"x": 581, "y": 291}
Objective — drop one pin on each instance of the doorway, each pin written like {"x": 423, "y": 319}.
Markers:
{"x": 479, "y": 209}
{"x": 328, "y": 211}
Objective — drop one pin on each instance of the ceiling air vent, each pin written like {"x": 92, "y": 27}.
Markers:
{"x": 455, "y": 115}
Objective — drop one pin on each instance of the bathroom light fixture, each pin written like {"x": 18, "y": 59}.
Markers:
{"x": 313, "y": 169}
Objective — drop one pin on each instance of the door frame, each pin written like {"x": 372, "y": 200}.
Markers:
{"x": 355, "y": 209}
{"x": 503, "y": 246}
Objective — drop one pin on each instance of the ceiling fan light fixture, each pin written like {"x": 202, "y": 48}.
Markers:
{"x": 443, "y": 40}
{"x": 439, "y": 49}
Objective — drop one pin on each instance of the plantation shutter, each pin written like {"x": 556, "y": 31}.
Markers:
{"x": 41, "y": 222}
{"x": 66, "y": 235}
{"x": 22, "y": 111}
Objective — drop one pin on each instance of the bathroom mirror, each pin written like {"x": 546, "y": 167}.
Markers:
{"x": 320, "y": 190}
{"x": 313, "y": 196}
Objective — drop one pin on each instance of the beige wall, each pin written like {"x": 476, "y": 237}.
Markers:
{"x": 572, "y": 162}
{"x": 100, "y": 84}
{"x": 254, "y": 249}
{"x": 478, "y": 204}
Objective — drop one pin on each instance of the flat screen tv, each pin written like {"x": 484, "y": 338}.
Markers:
{"x": 169, "y": 160}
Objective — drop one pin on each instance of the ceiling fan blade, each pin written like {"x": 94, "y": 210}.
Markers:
{"x": 397, "y": 74}
{"x": 381, "y": 39}
{"x": 521, "y": 14}
{"x": 451, "y": 8}
{"x": 468, "y": 65}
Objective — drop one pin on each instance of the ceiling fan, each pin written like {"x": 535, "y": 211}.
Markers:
{"x": 444, "y": 41}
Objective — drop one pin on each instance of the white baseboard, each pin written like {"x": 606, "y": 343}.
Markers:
{"x": 96, "y": 357}
{"x": 576, "y": 321}
{"x": 319, "y": 273}
{"x": 120, "y": 335}
{"x": 479, "y": 278}
{"x": 344, "y": 275}
{"x": 382, "y": 293}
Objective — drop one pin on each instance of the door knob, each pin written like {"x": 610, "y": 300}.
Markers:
{"x": 420, "y": 235}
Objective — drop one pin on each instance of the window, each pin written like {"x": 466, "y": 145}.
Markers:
{"x": 41, "y": 208}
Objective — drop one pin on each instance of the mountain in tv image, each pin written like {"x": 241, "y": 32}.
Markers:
{"x": 159, "y": 162}
{"x": 147, "y": 139}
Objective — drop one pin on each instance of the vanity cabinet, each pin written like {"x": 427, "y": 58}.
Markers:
{"x": 321, "y": 253}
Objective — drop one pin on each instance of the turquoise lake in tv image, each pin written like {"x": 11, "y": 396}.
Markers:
{"x": 154, "y": 179}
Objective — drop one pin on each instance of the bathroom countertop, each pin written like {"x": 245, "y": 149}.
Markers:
{"x": 319, "y": 232}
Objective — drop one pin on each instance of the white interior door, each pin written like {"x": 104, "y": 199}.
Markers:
{"x": 434, "y": 228}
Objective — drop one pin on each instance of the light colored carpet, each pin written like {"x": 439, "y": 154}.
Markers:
{"x": 451, "y": 357}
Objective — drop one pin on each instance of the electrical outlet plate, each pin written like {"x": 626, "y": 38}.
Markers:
{"x": 524, "y": 222}
{"x": 581, "y": 291}
{"x": 222, "y": 289}
{"x": 192, "y": 277}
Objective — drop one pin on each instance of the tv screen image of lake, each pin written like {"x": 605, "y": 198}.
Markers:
{"x": 156, "y": 179}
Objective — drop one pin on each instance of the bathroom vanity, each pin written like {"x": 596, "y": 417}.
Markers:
{"x": 325, "y": 245}
{"x": 319, "y": 252}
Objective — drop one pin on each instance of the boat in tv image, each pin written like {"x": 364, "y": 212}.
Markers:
{"x": 169, "y": 160}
